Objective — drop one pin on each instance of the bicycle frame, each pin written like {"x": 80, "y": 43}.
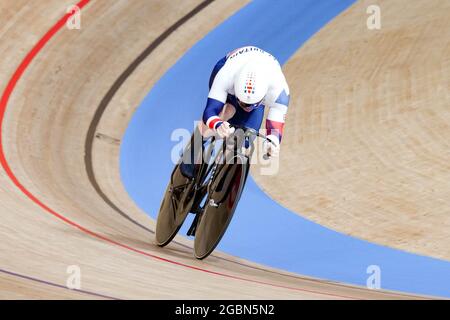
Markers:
{"x": 229, "y": 152}
{"x": 187, "y": 194}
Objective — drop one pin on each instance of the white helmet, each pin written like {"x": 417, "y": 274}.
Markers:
{"x": 251, "y": 85}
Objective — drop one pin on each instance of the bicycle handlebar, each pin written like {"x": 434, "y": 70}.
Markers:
{"x": 254, "y": 132}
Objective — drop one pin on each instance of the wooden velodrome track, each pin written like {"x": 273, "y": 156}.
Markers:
{"x": 62, "y": 201}
{"x": 367, "y": 138}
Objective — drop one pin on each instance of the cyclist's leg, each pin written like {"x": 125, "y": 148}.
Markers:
{"x": 192, "y": 156}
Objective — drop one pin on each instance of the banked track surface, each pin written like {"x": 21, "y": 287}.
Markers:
{"x": 42, "y": 139}
{"x": 367, "y": 133}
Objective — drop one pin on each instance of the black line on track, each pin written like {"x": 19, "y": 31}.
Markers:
{"x": 55, "y": 284}
{"x": 110, "y": 95}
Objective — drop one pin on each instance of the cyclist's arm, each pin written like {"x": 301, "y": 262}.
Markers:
{"x": 217, "y": 98}
{"x": 278, "y": 106}
{"x": 211, "y": 113}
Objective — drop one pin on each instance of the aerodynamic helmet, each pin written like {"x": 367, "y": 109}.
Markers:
{"x": 250, "y": 85}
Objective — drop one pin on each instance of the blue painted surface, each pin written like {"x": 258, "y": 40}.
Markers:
{"x": 262, "y": 230}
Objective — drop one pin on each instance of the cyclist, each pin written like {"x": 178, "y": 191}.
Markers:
{"x": 241, "y": 86}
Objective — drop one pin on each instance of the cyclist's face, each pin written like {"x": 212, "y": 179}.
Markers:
{"x": 249, "y": 107}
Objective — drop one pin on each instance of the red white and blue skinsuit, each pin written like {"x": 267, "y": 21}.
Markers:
{"x": 221, "y": 92}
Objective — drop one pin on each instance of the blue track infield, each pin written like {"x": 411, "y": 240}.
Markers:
{"x": 262, "y": 230}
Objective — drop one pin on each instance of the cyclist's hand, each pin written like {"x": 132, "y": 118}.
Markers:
{"x": 224, "y": 130}
{"x": 272, "y": 149}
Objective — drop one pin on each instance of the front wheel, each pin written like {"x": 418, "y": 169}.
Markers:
{"x": 224, "y": 194}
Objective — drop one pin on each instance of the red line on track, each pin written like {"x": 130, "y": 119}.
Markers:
{"x": 3, "y": 105}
